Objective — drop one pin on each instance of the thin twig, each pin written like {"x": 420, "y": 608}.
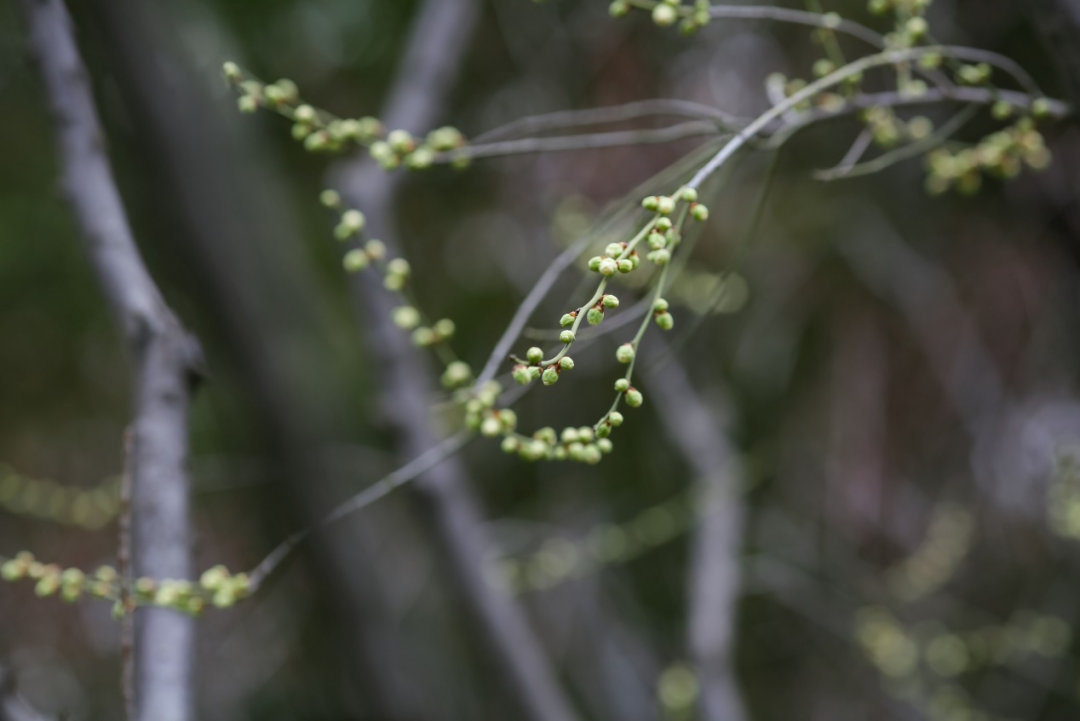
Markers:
{"x": 854, "y": 153}
{"x": 127, "y": 599}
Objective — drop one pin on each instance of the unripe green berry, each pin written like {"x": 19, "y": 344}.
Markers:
{"x": 406, "y": 317}
{"x": 566, "y": 321}
{"x": 355, "y": 260}
{"x": 625, "y": 265}
{"x": 608, "y": 267}
{"x": 650, "y": 203}
{"x": 550, "y": 376}
{"x": 534, "y": 355}
{"x": 586, "y": 434}
{"x": 699, "y": 212}
{"x": 591, "y": 454}
{"x": 689, "y": 195}
{"x": 624, "y": 353}
{"x": 663, "y": 224}
{"x": 610, "y": 301}
{"x": 615, "y": 419}
{"x": 622, "y": 385}
{"x": 665, "y": 320}
{"x": 567, "y": 337}
{"x": 594, "y": 316}
{"x": 634, "y": 399}
{"x": 665, "y": 205}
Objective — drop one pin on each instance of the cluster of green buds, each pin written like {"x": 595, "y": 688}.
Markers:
{"x": 667, "y": 12}
{"x": 69, "y": 583}
{"x": 533, "y": 365}
{"x": 662, "y": 316}
{"x": 1002, "y": 154}
{"x": 44, "y": 498}
{"x": 480, "y": 405}
{"x": 911, "y": 27}
{"x": 582, "y": 445}
{"x": 321, "y": 131}
{"x": 887, "y": 129}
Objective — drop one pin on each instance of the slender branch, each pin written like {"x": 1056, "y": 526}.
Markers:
{"x": 854, "y": 153}
{"x": 127, "y": 600}
{"x": 163, "y": 355}
{"x": 799, "y": 17}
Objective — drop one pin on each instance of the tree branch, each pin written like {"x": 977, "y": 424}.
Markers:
{"x": 165, "y": 358}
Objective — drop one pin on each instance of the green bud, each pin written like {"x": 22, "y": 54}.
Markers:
{"x": 624, "y": 353}
{"x": 619, "y": 8}
{"x": 657, "y": 241}
{"x": 586, "y": 434}
{"x": 394, "y": 282}
{"x": 659, "y": 257}
{"x": 569, "y": 435}
{"x": 213, "y": 578}
{"x": 406, "y": 317}
{"x": 930, "y": 61}
{"x": 635, "y": 259}
{"x": 576, "y": 451}
{"x": 300, "y": 131}
{"x": 401, "y": 141}
{"x": 521, "y": 374}
{"x": 625, "y": 265}
{"x": 423, "y": 337}
{"x": 594, "y": 263}
{"x": 663, "y": 224}
{"x": 384, "y": 155}
{"x": 232, "y": 71}
{"x": 490, "y": 427}
{"x": 48, "y": 585}
{"x": 547, "y": 434}
{"x": 1001, "y": 110}
{"x": 594, "y": 316}
{"x": 664, "y": 15}
{"x": 591, "y": 454}
{"x": 665, "y": 320}
{"x": 689, "y": 195}
{"x": 566, "y": 321}
{"x": 603, "y": 430}
{"x": 353, "y": 220}
{"x": 550, "y": 376}
{"x": 534, "y": 372}
{"x": 634, "y": 399}
{"x": 823, "y": 67}
{"x": 118, "y": 610}
{"x": 699, "y": 212}
{"x": 608, "y": 267}
{"x": 511, "y": 445}
{"x": 355, "y": 260}
{"x": 330, "y": 198}
{"x": 534, "y": 450}
{"x": 650, "y": 203}
{"x": 567, "y": 337}
{"x": 614, "y": 249}
{"x": 508, "y": 419}
{"x": 247, "y": 103}
{"x": 622, "y": 385}
{"x": 375, "y": 249}
{"x": 916, "y": 27}
{"x": 456, "y": 374}
{"x": 605, "y": 446}
{"x": 610, "y": 301}
{"x": 665, "y": 205}
{"x": 534, "y": 355}
{"x": 615, "y": 419}
{"x": 444, "y": 328}
{"x": 305, "y": 114}
{"x": 660, "y": 305}
{"x": 398, "y": 266}
{"x": 12, "y": 571}
{"x": 1041, "y": 108}
{"x": 566, "y": 363}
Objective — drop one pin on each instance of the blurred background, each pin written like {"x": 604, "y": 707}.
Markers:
{"x": 886, "y": 400}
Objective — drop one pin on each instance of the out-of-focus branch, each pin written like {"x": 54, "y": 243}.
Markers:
{"x": 12, "y": 705}
{"x": 1059, "y": 22}
{"x": 434, "y": 53}
{"x": 713, "y": 577}
{"x": 164, "y": 355}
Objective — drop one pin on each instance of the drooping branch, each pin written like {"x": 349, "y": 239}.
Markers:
{"x": 164, "y": 357}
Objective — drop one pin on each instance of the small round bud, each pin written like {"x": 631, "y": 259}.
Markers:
{"x": 355, "y": 260}
{"x": 569, "y": 435}
{"x": 398, "y": 266}
{"x": 534, "y": 355}
{"x": 1041, "y": 108}
{"x": 305, "y": 114}
{"x": 605, "y": 445}
{"x": 608, "y": 267}
{"x": 665, "y": 205}
{"x": 547, "y": 435}
{"x": 521, "y": 374}
{"x": 406, "y": 317}
{"x": 384, "y": 155}
{"x": 566, "y": 321}
{"x": 421, "y": 158}
{"x": 659, "y": 257}
{"x": 353, "y": 220}
{"x": 614, "y": 249}
{"x": 689, "y": 195}
{"x": 660, "y": 305}
{"x": 401, "y": 141}
{"x": 594, "y": 263}
{"x": 550, "y": 376}
{"x": 664, "y": 15}
{"x": 665, "y": 321}
{"x": 603, "y": 430}
{"x": 624, "y": 353}
{"x": 663, "y": 224}
{"x": 650, "y": 203}
{"x": 594, "y": 316}
{"x": 657, "y": 241}
{"x": 247, "y": 103}
{"x": 615, "y": 419}
{"x": 490, "y": 427}
{"x": 1001, "y": 110}
{"x": 634, "y": 399}
{"x": 456, "y": 374}
{"x": 625, "y": 265}
{"x": 591, "y": 454}
{"x": 566, "y": 363}
{"x": 699, "y": 212}
{"x": 375, "y": 249}
{"x": 330, "y": 198}
{"x": 916, "y": 27}
{"x": 511, "y": 445}
{"x": 622, "y": 385}
{"x": 610, "y": 301}
{"x": 619, "y": 8}
{"x": 232, "y": 71}
{"x": 424, "y": 337}
{"x": 567, "y": 337}
{"x": 444, "y": 328}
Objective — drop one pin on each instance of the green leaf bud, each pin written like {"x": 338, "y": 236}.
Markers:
{"x": 614, "y": 249}
{"x": 608, "y": 267}
{"x": 213, "y": 578}
{"x": 511, "y": 445}
{"x": 586, "y": 434}
{"x": 534, "y": 355}
{"x": 567, "y": 337}
{"x": 12, "y": 571}
{"x": 665, "y": 205}
{"x": 444, "y": 328}
{"x": 624, "y": 353}
{"x": 550, "y": 376}
{"x": 446, "y": 138}
{"x": 406, "y": 317}
{"x": 354, "y": 260}
{"x": 401, "y": 141}
{"x": 650, "y": 203}
{"x": 663, "y": 224}
{"x": 690, "y": 195}
{"x": 699, "y": 212}
{"x": 594, "y": 263}
{"x": 615, "y": 419}
{"x": 622, "y": 385}
{"x": 1001, "y": 110}
{"x": 567, "y": 320}
{"x": 634, "y": 399}
{"x": 521, "y": 374}
{"x": 370, "y": 128}
{"x": 635, "y": 259}
{"x": 423, "y": 337}
{"x": 534, "y": 372}
{"x": 665, "y": 321}
{"x": 660, "y": 305}
{"x": 664, "y": 15}
{"x": 534, "y": 450}
{"x": 569, "y": 435}
{"x": 603, "y": 430}
{"x": 472, "y": 420}
{"x": 375, "y": 249}
{"x": 625, "y": 265}
{"x": 421, "y": 158}
{"x": 300, "y": 131}
{"x": 330, "y": 198}
{"x": 353, "y": 220}
{"x": 610, "y": 301}
{"x": 566, "y": 363}
{"x": 145, "y": 587}
{"x": 657, "y": 241}
{"x": 594, "y": 316}
{"x": 930, "y": 61}
{"x": 48, "y": 585}
{"x": 491, "y": 427}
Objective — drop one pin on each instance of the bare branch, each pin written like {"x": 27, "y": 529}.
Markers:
{"x": 12, "y": 706}
{"x": 164, "y": 355}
